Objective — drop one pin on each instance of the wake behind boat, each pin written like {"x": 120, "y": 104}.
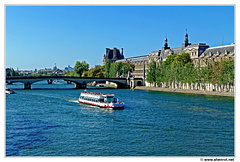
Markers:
{"x": 100, "y": 99}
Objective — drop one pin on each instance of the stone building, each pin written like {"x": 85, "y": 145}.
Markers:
{"x": 195, "y": 50}
{"x": 113, "y": 55}
{"x": 215, "y": 54}
{"x": 200, "y": 53}
{"x": 140, "y": 63}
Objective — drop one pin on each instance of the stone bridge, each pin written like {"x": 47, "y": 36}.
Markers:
{"x": 80, "y": 82}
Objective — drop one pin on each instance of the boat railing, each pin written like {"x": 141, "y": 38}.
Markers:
{"x": 96, "y": 93}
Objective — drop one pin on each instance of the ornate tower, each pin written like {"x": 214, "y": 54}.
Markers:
{"x": 166, "y": 44}
{"x": 186, "y": 41}
{"x": 122, "y": 54}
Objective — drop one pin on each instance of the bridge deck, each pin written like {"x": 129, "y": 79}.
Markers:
{"x": 80, "y": 82}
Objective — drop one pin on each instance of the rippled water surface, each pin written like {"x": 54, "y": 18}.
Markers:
{"x": 47, "y": 122}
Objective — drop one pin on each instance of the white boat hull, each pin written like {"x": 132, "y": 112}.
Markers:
{"x": 102, "y": 104}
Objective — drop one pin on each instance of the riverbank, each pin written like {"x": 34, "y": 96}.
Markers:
{"x": 229, "y": 94}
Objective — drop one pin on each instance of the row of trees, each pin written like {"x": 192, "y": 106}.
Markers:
{"x": 116, "y": 69}
{"x": 180, "y": 69}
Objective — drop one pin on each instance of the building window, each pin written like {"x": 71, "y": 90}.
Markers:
{"x": 226, "y": 52}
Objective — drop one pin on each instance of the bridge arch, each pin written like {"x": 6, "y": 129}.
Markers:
{"x": 139, "y": 83}
{"x": 83, "y": 85}
{"x": 27, "y": 83}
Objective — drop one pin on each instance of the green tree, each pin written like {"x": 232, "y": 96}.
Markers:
{"x": 161, "y": 73}
{"x": 127, "y": 67}
{"x": 14, "y": 73}
{"x": 115, "y": 69}
{"x": 189, "y": 74}
{"x": 94, "y": 72}
{"x": 107, "y": 67}
{"x": 71, "y": 74}
{"x": 80, "y": 67}
{"x": 170, "y": 59}
{"x": 182, "y": 59}
{"x": 152, "y": 72}
{"x": 226, "y": 72}
{"x": 176, "y": 68}
{"x": 229, "y": 64}
{"x": 180, "y": 68}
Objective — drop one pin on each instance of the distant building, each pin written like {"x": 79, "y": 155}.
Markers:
{"x": 140, "y": 63}
{"x": 46, "y": 70}
{"x": 113, "y": 55}
{"x": 26, "y": 72}
{"x": 69, "y": 68}
{"x": 55, "y": 67}
{"x": 56, "y": 70}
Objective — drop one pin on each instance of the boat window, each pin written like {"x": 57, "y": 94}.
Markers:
{"x": 109, "y": 99}
{"x": 115, "y": 100}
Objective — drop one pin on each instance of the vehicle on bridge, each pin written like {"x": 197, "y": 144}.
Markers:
{"x": 100, "y": 99}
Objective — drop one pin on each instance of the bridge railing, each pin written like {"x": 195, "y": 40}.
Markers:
{"x": 35, "y": 77}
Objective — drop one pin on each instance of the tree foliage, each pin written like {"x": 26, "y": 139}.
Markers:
{"x": 71, "y": 74}
{"x": 107, "y": 67}
{"x": 120, "y": 69}
{"x": 116, "y": 69}
{"x": 220, "y": 72}
{"x": 180, "y": 68}
{"x": 152, "y": 72}
{"x": 80, "y": 67}
{"x": 13, "y": 73}
{"x": 97, "y": 71}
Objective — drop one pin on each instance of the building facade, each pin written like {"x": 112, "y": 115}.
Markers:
{"x": 215, "y": 54}
{"x": 195, "y": 50}
{"x": 200, "y": 53}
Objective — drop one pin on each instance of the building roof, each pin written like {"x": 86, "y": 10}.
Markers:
{"x": 227, "y": 49}
{"x": 134, "y": 59}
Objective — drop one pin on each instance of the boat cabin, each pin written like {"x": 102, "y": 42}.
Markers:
{"x": 99, "y": 97}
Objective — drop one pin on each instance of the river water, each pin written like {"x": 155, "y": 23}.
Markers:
{"x": 46, "y": 121}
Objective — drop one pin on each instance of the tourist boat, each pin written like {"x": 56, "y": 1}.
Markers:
{"x": 9, "y": 91}
{"x": 100, "y": 99}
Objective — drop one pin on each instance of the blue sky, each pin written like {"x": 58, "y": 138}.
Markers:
{"x": 40, "y": 36}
